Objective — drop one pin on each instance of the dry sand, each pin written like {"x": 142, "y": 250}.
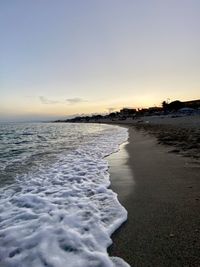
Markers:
{"x": 161, "y": 192}
{"x": 182, "y": 133}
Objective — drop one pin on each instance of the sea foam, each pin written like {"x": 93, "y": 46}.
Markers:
{"x": 64, "y": 214}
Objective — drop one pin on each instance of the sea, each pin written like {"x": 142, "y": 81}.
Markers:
{"x": 56, "y": 207}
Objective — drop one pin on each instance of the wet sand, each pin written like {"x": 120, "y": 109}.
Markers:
{"x": 161, "y": 192}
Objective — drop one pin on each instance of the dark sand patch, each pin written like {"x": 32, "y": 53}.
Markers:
{"x": 185, "y": 140}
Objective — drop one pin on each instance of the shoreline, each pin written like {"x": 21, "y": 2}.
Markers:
{"x": 163, "y": 204}
{"x": 180, "y": 134}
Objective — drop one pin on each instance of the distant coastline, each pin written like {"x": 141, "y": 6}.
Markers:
{"x": 175, "y": 108}
{"x": 175, "y": 124}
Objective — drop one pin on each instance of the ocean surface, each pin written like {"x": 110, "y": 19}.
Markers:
{"x": 56, "y": 208}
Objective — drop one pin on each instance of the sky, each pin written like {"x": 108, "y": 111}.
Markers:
{"x": 66, "y": 57}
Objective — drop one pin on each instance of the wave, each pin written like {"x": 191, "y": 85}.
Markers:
{"x": 65, "y": 213}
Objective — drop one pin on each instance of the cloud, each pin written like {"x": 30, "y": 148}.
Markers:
{"x": 45, "y": 100}
{"x": 70, "y": 101}
{"x": 75, "y": 100}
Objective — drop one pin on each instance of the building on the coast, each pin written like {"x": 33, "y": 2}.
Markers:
{"x": 177, "y": 105}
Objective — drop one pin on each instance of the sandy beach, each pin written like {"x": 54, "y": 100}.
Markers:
{"x": 181, "y": 134}
{"x": 161, "y": 192}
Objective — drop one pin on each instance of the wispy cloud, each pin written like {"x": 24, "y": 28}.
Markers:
{"x": 45, "y": 100}
{"x": 75, "y": 100}
{"x": 70, "y": 101}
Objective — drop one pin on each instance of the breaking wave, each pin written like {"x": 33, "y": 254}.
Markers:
{"x": 62, "y": 212}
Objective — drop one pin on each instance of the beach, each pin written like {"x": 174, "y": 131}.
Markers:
{"x": 161, "y": 192}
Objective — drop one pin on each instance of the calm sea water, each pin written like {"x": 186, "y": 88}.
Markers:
{"x": 55, "y": 205}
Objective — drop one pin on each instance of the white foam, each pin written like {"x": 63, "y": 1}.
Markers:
{"x": 64, "y": 215}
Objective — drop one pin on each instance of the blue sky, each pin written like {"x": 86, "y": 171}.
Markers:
{"x": 59, "y": 58}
